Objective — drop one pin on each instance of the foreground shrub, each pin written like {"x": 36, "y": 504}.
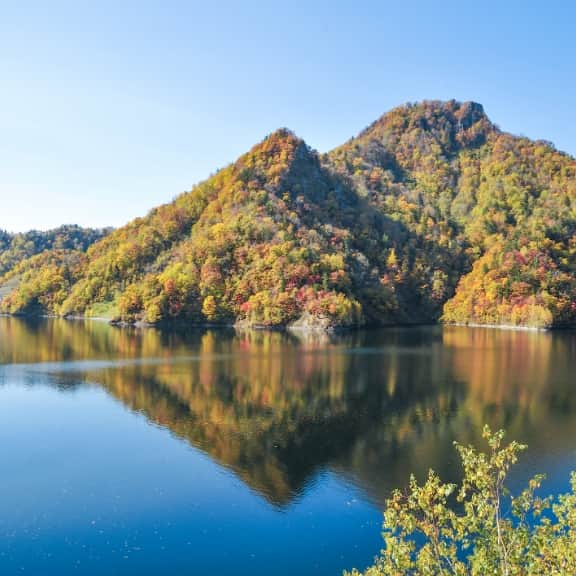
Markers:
{"x": 478, "y": 528}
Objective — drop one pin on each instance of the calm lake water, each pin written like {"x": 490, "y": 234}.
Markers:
{"x": 139, "y": 452}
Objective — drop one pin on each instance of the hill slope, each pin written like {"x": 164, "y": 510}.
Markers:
{"x": 431, "y": 212}
{"x": 504, "y": 203}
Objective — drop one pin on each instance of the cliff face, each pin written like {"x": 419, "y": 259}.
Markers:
{"x": 431, "y": 212}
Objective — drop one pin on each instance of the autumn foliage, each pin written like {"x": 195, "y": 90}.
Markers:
{"x": 431, "y": 212}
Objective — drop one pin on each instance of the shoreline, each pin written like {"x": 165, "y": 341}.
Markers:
{"x": 510, "y": 327}
{"x": 295, "y": 328}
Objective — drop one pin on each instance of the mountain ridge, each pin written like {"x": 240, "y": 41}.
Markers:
{"x": 431, "y": 212}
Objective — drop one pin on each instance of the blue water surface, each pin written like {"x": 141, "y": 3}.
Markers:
{"x": 140, "y": 452}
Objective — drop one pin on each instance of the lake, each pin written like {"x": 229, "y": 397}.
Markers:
{"x": 126, "y": 451}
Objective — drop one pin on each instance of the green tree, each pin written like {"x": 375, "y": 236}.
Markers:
{"x": 478, "y": 528}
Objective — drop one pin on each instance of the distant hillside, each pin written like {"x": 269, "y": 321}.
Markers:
{"x": 431, "y": 213}
{"x": 14, "y": 248}
{"x": 23, "y": 254}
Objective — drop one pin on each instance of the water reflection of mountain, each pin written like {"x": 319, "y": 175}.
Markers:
{"x": 277, "y": 408}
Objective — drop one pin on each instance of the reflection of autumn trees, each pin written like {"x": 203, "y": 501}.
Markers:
{"x": 39, "y": 340}
{"x": 518, "y": 379}
{"x": 277, "y": 408}
{"x": 271, "y": 408}
{"x": 512, "y": 368}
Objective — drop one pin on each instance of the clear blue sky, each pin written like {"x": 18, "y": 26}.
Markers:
{"x": 108, "y": 108}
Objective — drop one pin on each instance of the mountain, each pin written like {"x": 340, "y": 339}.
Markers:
{"x": 430, "y": 213}
{"x": 478, "y": 197}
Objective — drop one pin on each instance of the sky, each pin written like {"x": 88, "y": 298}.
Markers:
{"x": 109, "y": 108}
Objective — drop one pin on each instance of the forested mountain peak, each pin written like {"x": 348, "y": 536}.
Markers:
{"x": 458, "y": 120}
{"x": 410, "y": 134}
{"x": 278, "y": 160}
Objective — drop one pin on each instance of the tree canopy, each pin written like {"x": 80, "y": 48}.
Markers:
{"x": 478, "y": 527}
